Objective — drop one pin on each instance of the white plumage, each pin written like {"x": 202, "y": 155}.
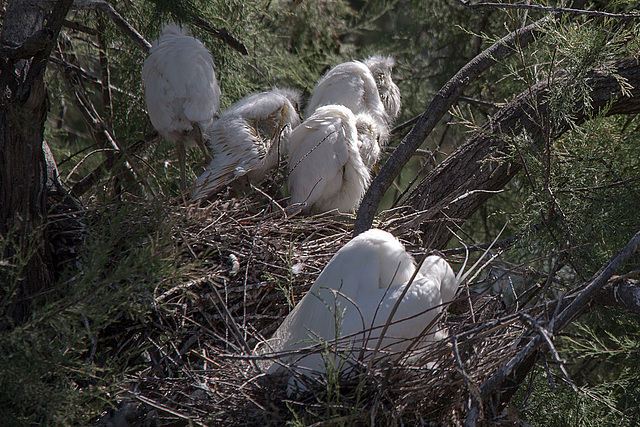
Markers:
{"x": 181, "y": 89}
{"x": 363, "y": 87}
{"x": 353, "y": 298}
{"x": 330, "y": 157}
{"x": 247, "y": 139}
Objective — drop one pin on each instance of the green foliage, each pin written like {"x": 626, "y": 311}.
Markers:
{"x": 62, "y": 366}
{"x": 604, "y": 355}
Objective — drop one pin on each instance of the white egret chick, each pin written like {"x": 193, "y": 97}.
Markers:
{"x": 248, "y": 139}
{"x": 362, "y": 87}
{"x": 353, "y": 299}
{"x": 330, "y": 157}
{"x": 181, "y": 89}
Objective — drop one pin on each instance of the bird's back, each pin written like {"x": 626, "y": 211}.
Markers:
{"x": 346, "y": 288}
{"x": 325, "y": 166}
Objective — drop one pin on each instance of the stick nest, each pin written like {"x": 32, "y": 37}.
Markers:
{"x": 250, "y": 265}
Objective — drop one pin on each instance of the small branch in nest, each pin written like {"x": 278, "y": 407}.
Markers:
{"x": 231, "y": 322}
{"x": 185, "y": 286}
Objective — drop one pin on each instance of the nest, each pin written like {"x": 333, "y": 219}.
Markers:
{"x": 254, "y": 264}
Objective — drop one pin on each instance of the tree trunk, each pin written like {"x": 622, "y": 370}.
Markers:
{"x": 457, "y": 187}
{"x": 26, "y": 44}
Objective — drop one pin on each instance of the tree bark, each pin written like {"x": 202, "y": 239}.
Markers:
{"x": 458, "y": 186}
{"x": 27, "y": 44}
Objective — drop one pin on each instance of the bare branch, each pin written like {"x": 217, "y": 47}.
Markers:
{"x": 473, "y": 166}
{"x": 489, "y": 5}
{"x": 117, "y": 19}
{"x": 221, "y": 33}
{"x": 622, "y": 293}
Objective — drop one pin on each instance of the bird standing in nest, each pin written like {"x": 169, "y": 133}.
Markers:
{"x": 364, "y": 303}
{"x": 330, "y": 158}
{"x": 181, "y": 90}
{"x": 248, "y": 139}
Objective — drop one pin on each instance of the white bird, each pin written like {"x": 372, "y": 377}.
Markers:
{"x": 330, "y": 157}
{"x": 353, "y": 299}
{"x": 248, "y": 138}
{"x": 181, "y": 89}
{"x": 362, "y": 87}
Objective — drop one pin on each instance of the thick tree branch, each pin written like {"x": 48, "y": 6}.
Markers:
{"x": 621, "y": 293}
{"x": 443, "y": 100}
{"x": 453, "y": 191}
{"x": 515, "y": 370}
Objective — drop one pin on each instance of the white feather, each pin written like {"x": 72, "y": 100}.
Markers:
{"x": 326, "y": 162}
{"x": 353, "y": 298}
{"x": 247, "y": 139}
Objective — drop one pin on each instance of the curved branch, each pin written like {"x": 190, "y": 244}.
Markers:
{"x": 519, "y": 365}
{"x": 443, "y": 100}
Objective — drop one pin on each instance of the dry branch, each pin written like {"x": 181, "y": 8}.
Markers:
{"x": 441, "y": 103}
{"x": 537, "y": 7}
{"x": 117, "y": 19}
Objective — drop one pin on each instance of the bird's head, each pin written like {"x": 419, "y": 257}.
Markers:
{"x": 381, "y": 68}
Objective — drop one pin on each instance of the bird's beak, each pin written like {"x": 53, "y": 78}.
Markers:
{"x": 376, "y": 168}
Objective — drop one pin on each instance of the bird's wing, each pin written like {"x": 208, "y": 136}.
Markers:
{"x": 236, "y": 149}
{"x": 437, "y": 269}
{"x": 416, "y": 310}
{"x": 318, "y": 151}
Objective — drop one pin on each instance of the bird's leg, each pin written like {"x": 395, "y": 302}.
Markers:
{"x": 182, "y": 161}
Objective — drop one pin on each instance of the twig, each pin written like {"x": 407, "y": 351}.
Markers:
{"x": 232, "y": 322}
{"x": 489, "y": 5}
{"x": 117, "y": 19}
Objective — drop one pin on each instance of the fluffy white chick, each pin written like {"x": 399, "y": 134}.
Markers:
{"x": 363, "y": 87}
{"x": 181, "y": 89}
